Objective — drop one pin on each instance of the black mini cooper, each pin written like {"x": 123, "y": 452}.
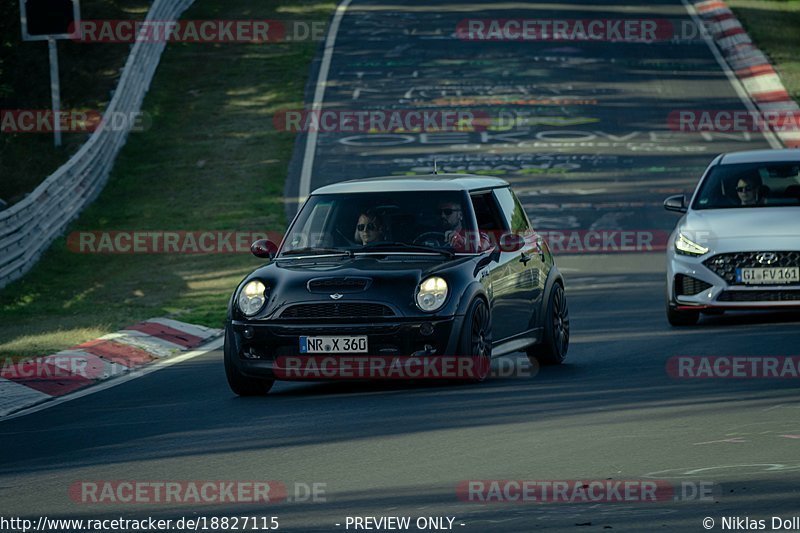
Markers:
{"x": 424, "y": 267}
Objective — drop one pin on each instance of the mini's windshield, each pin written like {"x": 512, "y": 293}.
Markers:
{"x": 750, "y": 185}
{"x": 407, "y": 222}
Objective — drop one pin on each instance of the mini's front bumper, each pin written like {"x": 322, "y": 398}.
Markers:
{"x": 259, "y": 347}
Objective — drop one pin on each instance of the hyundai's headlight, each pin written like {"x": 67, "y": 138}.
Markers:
{"x": 431, "y": 294}
{"x": 687, "y": 247}
{"x": 252, "y": 298}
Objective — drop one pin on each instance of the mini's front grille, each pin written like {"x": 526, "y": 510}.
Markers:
{"x": 725, "y": 265}
{"x": 689, "y": 286}
{"x": 338, "y": 329}
{"x": 338, "y": 310}
{"x": 340, "y": 285}
{"x": 759, "y": 296}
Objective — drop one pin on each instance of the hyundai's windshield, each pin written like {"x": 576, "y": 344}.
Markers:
{"x": 750, "y": 185}
{"x": 402, "y": 222}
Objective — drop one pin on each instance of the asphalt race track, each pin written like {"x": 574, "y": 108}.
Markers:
{"x": 594, "y": 152}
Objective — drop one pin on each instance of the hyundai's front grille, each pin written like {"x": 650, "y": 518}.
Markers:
{"x": 725, "y": 265}
{"x": 759, "y": 296}
{"x": 689, "y": 286}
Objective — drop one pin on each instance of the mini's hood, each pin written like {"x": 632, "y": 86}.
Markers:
{"x": 392, "y": 279}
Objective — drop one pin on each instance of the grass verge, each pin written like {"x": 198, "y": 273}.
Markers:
{"x": 774, "y": 26}
{"x": 211, "y": 161}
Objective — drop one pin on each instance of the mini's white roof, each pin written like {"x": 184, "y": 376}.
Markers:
{"x": 761, "y": 156}
{"x": 430, "y": 182}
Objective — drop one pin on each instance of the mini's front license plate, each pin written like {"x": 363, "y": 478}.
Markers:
{"x": 352, "y": 344}
{"x": 768, "y": 276}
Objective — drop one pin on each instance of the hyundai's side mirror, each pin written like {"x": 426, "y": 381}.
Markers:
{"x": 264, "y": 249}
{"x": 676, "y": 203}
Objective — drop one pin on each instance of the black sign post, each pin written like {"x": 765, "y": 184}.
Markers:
{"x": 49, "y": 20}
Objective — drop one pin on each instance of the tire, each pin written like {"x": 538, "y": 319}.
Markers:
{"x": 476, "y": 338}
{"x": 682, "y": 318}
{"x": 239, "y": 383}
{"x": 555, "y": 341}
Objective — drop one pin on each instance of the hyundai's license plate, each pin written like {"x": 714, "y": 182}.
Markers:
{"x": 357, "y": 344}
{"x": 768, "y": 276}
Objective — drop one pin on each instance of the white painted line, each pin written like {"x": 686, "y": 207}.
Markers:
{"x": 717, "y": 12}
{"x": 747, "y": 55}
{"x": 766, "y": 83}
{"x": 14, "y": 396}
{"x": 319, "y": 96}
{"x": 733, "y": 41}
{"x": 727, "y": 24}
{"x": 63, "y": 360}
{"x": 785, "y": 106}
{"x": 197, "y": 331}
{"x": 770, "y": 137}
{"x": 135, "y": 374}
{"x": 150, "y": 344}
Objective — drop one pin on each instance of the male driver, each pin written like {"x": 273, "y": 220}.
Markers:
{"x": 455, "y": 234}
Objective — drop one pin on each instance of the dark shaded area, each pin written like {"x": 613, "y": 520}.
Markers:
{"x": 89, "y": 74}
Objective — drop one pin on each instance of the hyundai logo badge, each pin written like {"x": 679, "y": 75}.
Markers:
{"x": 767, "y": 258}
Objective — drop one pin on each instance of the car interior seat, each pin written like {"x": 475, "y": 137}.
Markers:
{"x": 792, "y": 191}
{"x": 484, "y": 216}
{"x": 764, "y": 192}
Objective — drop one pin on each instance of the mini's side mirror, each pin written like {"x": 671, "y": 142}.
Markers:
{"x": 264, "y": 249}
{"x": 676, "y": 203}
{"x": 512, "y": 242}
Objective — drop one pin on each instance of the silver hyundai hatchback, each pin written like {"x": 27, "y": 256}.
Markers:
{"x": 737, "y": 245}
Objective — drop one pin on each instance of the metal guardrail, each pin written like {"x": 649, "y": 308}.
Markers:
{"x": 29, "y": 227}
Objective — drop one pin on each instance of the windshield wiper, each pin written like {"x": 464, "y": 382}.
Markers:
{"x": 310, "y": 250}
{"x": 389, "y": 246}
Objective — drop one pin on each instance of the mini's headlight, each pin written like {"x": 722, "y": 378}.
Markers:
{"x": 252, "y": 298}
{"x": 687, "y": 247}
{"x": 431, "y": 294}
